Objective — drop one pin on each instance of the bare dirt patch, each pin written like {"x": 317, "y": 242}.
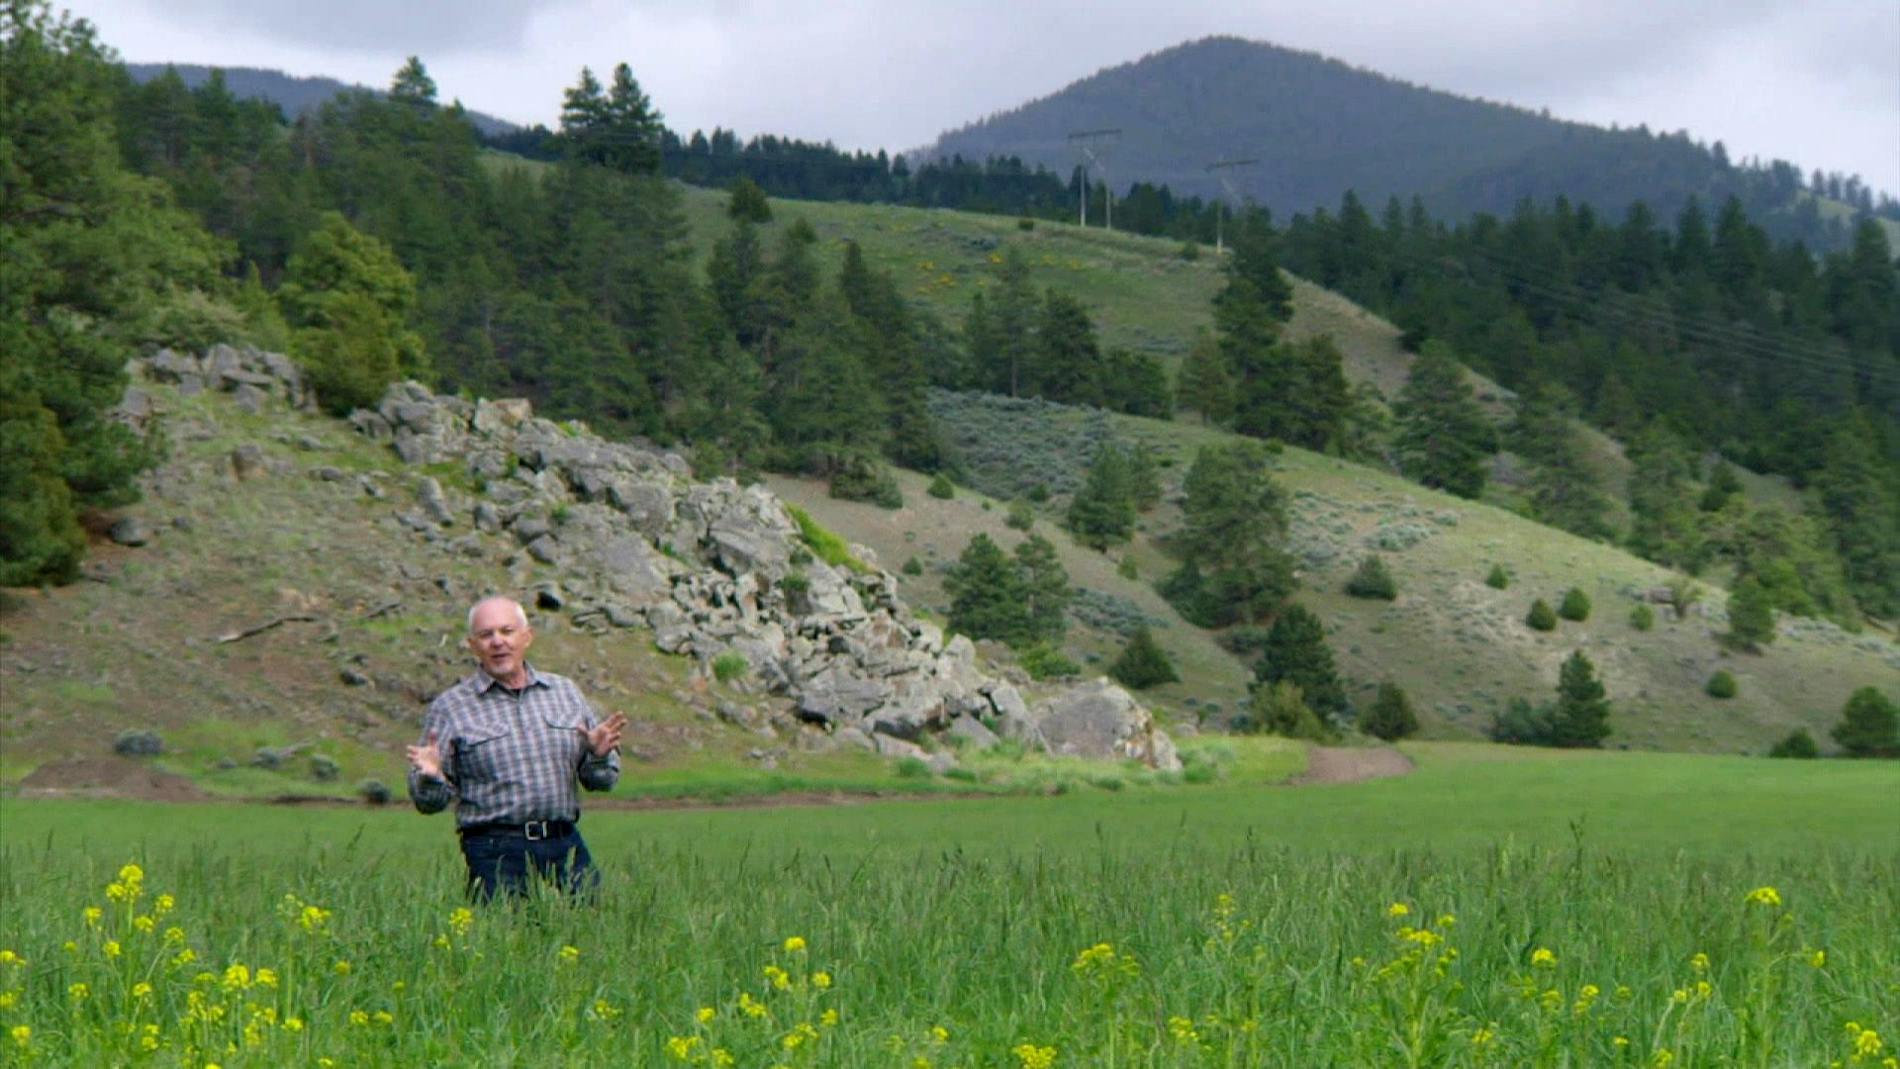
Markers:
{"x": 1352, "y": 764}
{"x": 107, "y": 777}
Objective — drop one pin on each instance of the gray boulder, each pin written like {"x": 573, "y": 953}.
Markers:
{"x": 129, "y": 531}
{"x": 1103, "y": 721}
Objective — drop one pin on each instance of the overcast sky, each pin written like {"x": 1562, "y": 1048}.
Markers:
{"x": 1817, "y": 83}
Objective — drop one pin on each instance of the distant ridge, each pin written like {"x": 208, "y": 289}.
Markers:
{"x": 1319, "y": 127}
{"x": 290, "y": 92}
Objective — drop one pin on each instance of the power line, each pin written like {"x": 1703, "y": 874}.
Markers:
{"x": 1223, "y": 170}
{"x": 1087, "y": 140}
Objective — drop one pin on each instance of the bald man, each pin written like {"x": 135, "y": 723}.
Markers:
{"x": 507, "y": 745}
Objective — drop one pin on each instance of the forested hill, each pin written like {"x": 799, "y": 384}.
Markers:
{"x": 1317, "y": 127}
{"x": 296, "y": 95}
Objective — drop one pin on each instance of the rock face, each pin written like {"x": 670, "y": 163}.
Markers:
{"x": 713, "y": 569}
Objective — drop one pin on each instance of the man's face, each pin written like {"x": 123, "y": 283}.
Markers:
{"x": 500, "y": 640}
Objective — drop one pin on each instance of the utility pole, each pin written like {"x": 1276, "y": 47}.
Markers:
{"x": 1223, "y": 170}
{"x": 1087, "y": 140}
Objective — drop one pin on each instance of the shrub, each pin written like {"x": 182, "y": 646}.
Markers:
{"x": 373, "y": 791}
{"x": 1798, "y": 745}
{"x": 729, "y": 666}
{"x": 942, "y": 487}
{"x": 1043, "y": 661}
{"x": 830, "y": 548}
{"x": 1499, "y": 579}
{"x": 795, "y": 583}
{"x": 1541, "y": 618}
{"x": 1642, "y": 617}
{"x": 1575, "y": 606}
{"x": 1190, "y": 251}
{"x": 1143, "y": 663}
{"x": 1280, "y": 709}
{"x": 1751, "y": 616}
{"x": 861, "y": 478}
{"x": 1021, "y": 515}
{"x": 912, "y": 768}
{"x": 1391, "y": 715}
{"x": 1522, "y": 724}
{"x": 1870, "y": 725}
{"x": 1372, "y": 579}
{"x": 913, "y": 566}
{"x": 1025, "y": 224}
{"x": 1126, "y": 568}
{"x": 1720, "y": 685}
{"x": 1039, "y": 493}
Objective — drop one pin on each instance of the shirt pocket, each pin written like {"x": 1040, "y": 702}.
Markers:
{"x": 478, "y": 751}
{"x": 564, "y": 724}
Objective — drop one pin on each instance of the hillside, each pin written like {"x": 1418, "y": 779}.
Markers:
{"x": 1317, "y": 127}
{"x": 294, "y": 94}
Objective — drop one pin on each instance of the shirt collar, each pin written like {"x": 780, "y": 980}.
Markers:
{"x": 485, "y": 682}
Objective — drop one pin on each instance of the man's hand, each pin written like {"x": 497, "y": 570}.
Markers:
{"x": 603, "y": 738}
{"x": 426, "y": 758}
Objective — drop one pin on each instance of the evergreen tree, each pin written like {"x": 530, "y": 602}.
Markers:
{"x": 1372, "y": 580}
{"x": 1068, "y": 360}
{"x": 350, "y": 300}
{"x": 1280, "y": 709}
{"x": 1205, "y": 383}
{"x": 1234, "y": 565}
{"x": 1143, "y": 663}
{"x": 986, "y": 593}
{"x": 1391, "y": 717}
{"x": 1575, "y": 605}
{"x": 1443, "y": 436}
{"x": 1751, "y": 616}
{"x": 1797, "y": 744}
{"x": 1296, "y": 651}
{"x": 92, "y": 255}
{"x": 1007, "y": 332}
{"x": 1859, "y": 496}
{"x": 1581, "y": 717}
{"x": 1102, "y": 513}
{"x": 1565, "y": 490}
{"x": 748, "y": 202}
{"x": 1541, "y": 617}
{"x": 1045, "y": 591}
{"x": 617, "y": 128}
{"x": 1664, "y": 526}
{"x": 1135, "y": 384}
{"x": 412, "y": 85}
{"x": 1869, "y": 725}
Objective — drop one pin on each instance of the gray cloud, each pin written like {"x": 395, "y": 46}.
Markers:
{"x": 439, "y": 27}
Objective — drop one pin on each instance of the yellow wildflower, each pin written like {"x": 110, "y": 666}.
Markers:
{"x": 705, "y": 1014}
{"x": 1446, "y": 920}
{"x": 1700, "y": 963}
{"x": 267, "y": 977}
{"x": 79, "y": 991}
{"x": 1543, "y": 957}
{"x": 141, "y": 990}
{"x": 293, "y": 1024}
{"x": 8, "y": 957}
{"x": 570, "y": 955}
{"x": 1818, "y": 959}
{"x": 237, "y": 978}
{"x": 92, "y": 915}
{"x": 942, "y": 1034}
{"x": 174, "y": 934}
{"x": 1484, "y": 1037}
{"x": 1398, "y": 909}
{"x": 604, "y": 1010}
{"x": 1867, "y": 1043}
{"x": 681, "y": 1047}
{"x": 1182, "y": 1030}
{"x": 144, "y": 923}
{"x": 722, "y": 1057}
{"x": 1764, "y": 896}
{"x": 69, "y": 947}
{"x": 1620, "y": 1042}
{"x": 21, "y": 1034}
{"x": 821, "y": 980}
{"x": 829, "y": 1018}
{"x": 384, "y": 1017}
{"x": 795, "y": 943}
{"x": 313, "y": 919}
{"x": 132, "y": 875}
{"x": 359, "y": 1017}
{"x": 163, "y": 905}
{"x": 112, "y": 948}
{"x": 341, "y": 968}
{"x": 1033, "y": 1057}
{"x": 778, "y": 977}
{"x": 751, "y": 1006}
{"x": 1662, "y": 1059}
{"x": 8, "y": 998}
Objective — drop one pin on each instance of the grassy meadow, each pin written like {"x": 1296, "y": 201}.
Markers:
{"x": 1496, "y": 907}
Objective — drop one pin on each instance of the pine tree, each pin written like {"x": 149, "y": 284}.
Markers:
{"x": 1664, "y": 526}
{"x": 412, "y": 84}
{"x": 1281, "y": 709}
{"x": 618, "y": 128}
{"x": 1391, "y": 717}
{"x": 1068, "y": 363}
{"x": 1143, "y": 663}
{"x": 1231, "y": 543}
{"x": 1566, "y": 491}
{"x": 1869, "y": 725}
{"x": 1297, "y": 652}
{"x": 1045, "y": 591}
{"x": 1102, "y": 513}
{"x": 986, "y": 593}
{"x": 1751, "y": 616}
{"x": 1581, "y": 717}
{"x": 1205, "y": 383}
{"x": 748, "y": 202}
{"x": 1443, "y": 436}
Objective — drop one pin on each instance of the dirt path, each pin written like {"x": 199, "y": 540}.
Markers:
{"x": 1351, "y": 764}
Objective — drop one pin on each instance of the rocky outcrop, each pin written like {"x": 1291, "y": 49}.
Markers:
{"x": 714, "y": 570}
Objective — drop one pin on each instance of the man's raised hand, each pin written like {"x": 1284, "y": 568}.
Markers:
{"x": 426, "y": 758}
{"x": 604, "y": 737}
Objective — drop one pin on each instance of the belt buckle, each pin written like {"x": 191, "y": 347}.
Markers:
{"x": 529, "y": 829}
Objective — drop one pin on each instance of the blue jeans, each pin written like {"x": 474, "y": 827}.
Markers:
{"x": 502, "y": 863}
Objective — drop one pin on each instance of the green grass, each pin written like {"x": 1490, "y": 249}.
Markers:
{"x": 1232, "y": 924}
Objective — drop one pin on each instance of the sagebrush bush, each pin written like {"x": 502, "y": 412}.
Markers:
{"x": 1798, "y": 744}
{"x": 1499, "y": 579}
{"x": 1642, "y": 617}
{"x": 942, "y": 487}
{"x": 1541, "y": 617}
{"x": 1372, "y": 579}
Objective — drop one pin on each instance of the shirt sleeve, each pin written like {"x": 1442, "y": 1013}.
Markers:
{"x": 597, "y": 773}
{"x": 432, "y": 794}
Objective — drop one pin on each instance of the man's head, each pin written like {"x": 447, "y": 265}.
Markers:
{"x": 499, "y": 637}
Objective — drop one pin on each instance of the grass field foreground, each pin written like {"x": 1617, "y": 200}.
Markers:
{"x": 1494, "y": 908}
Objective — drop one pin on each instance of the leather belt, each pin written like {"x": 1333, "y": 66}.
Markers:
{"x": 532, "y": 830}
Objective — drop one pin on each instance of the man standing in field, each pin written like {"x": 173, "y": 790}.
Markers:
{"x": 508, "y": 744}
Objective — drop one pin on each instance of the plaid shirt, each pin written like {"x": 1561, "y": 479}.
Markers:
{"x": 511, "y": 756}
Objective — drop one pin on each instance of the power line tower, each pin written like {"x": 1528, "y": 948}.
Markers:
{"x": 1088, "y": 141}
{"x": 1224, "y": 170}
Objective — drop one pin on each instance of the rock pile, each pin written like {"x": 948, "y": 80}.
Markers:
{"x": 717, "y": 572}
